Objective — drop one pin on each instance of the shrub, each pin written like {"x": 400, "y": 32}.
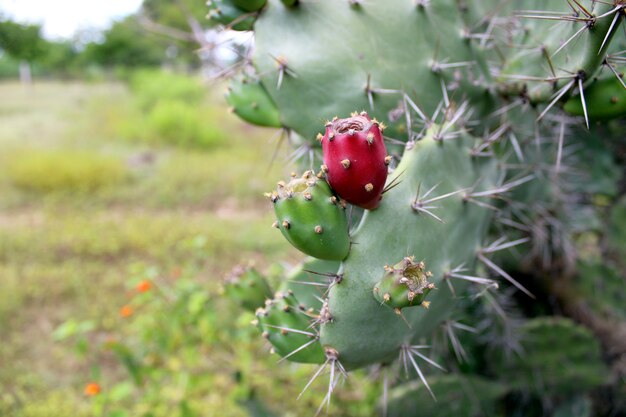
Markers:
{"x": 72, "y": 171}
{"x": 151, "y": 87}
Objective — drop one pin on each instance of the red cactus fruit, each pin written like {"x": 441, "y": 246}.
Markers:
{"x": 355, "y": 159}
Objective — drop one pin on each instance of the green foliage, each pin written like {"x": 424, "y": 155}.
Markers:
{"x": 80, "y": 172}
{"x": 150, "y": 87}
{"x": 126, "y": 44}
{"x": 175, "y": 123}
{"x": 171, "y": 109}
{"x": 23, "y": 42}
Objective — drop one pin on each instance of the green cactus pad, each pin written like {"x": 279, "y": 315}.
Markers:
{"x": 247, "y": 287}
{"x": 321, "y": 54}
{"x": 311, "y": 218}
{"x": 364, "y": 331}
{"x": 286, "y": 324}
{"x": 249, "y": 100}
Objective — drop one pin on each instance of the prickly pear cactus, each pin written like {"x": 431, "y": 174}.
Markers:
{"x": 477, "y": 144}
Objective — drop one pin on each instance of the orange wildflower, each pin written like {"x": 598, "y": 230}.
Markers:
{"x": 126, "y": 311}
{"x": 144, "y": 286}
{"x": 92, "y": 389}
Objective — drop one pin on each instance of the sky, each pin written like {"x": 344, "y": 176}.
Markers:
{"x": 62, "y": 18}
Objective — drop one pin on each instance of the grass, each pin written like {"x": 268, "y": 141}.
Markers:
{"x": 81, "y": 206}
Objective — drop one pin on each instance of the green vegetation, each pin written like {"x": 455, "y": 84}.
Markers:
{"x": 85, "y": 216}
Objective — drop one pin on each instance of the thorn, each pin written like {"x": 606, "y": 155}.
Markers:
{"x": 275, "y": 224}
{"x": 286, "y": 224}
{"x": 557, "y": 97}
{"x": 504, "y": 274}
{"x": 610, "y": 31}
{"x": 582, "y": 100}
{"x": 319, "y": 137}
{"x": 345, "y": 163}
{"x": 388, "y": 159}
{"x": 399, "y": 313}
{"x": 318, "y": 229}
{"x": 369, "y": 187}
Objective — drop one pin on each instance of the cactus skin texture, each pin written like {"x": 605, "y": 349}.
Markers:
{"x": 311, "y": 218}
{"x": 355, "y": 159}
{"x": 247, "y": 287}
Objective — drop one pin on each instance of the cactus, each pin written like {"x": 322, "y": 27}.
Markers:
{"x": 486, "y": 103}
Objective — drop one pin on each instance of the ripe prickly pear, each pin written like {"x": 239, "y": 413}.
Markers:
{"x": 311, "y": 218}
{"x": 249, "y": 100}
{"x": 248, "y": 287}
{"x": 355, "y": 159}
{"x": 286, "y": 323}
{"x": 405, "y": 284}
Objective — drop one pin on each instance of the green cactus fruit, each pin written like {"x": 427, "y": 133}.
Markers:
{"x": 250, "y": 5}
{"x": 249, "y": 100}
{"x": 404, "y": 285}
{"x": 286, "y": 324}
{"x": 605, "y": 99}
{"x": 247, "y": 287}
{"x": 311, "y": 218}
{"x": 226, "y": 13}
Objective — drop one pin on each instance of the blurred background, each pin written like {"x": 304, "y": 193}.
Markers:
{"x": 127, "y": 191}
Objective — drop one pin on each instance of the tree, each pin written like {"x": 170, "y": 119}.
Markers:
{"x": 22, "y": 42}
{"x": 126, "y": 44}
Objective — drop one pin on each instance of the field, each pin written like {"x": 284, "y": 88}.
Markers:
{"x": 90, "y": 205}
